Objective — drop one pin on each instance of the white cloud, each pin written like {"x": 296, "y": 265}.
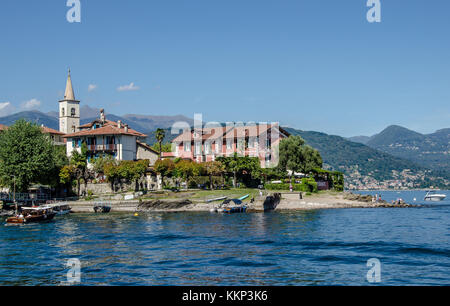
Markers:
{"x": 92, "y": 87}
{"x": 31, "y": 104}
{"x": 6, "y": 108}
{"x": 130, "y": 87}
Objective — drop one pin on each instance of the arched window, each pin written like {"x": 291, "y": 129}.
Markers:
{"x": 63, "y": 113}
{"x": 72, "y": 112}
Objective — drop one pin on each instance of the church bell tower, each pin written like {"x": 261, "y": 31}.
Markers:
{"x": 69, "y": 110}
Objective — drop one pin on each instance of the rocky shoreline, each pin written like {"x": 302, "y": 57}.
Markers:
{"x": 288, "y": 201}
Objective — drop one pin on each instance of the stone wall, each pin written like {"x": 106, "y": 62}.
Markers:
{"x": 147, "y": 183}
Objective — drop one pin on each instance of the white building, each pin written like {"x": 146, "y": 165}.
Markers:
{"x": 103, "y": 137}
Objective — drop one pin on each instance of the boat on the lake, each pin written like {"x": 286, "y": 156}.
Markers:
{"x": 61, "y": 208}
{"x": 433, "y": 196}
{"x": 32, "y": 214}
{"x": 232, "y": 206}
{"x": 101, "y": 207}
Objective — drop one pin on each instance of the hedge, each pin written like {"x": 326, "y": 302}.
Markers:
{"x": 307, "y": 185}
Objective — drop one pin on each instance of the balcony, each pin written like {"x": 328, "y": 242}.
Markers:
{"x": 107, "y": 147}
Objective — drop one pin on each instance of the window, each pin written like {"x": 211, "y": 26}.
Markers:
{"x": 218, "y": 146}
{"x": 229, "y": 144}
{"x": 187, "y": 146}
{"x": 72, "y": 112}
{"x": 207, "y": 147}
{"x": 198, "y": 148}
{"x": 252, "y": 142}
{"x": 63, "y": 112}
{"x": 241, "y": 144}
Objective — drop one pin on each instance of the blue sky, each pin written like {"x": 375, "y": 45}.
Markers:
{"x": 310, "y": 64}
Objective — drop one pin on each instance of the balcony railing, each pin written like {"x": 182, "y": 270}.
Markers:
{"x": 107, "y": 147}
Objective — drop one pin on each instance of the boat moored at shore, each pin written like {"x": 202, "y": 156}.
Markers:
{"x": 60, "y": 208}
{"x": 32, "y": 214}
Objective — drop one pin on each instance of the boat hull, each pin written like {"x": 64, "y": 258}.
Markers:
{"x": 235, "y": 210}
{"x": 102, "y": 209}
{"x": 435, "y": 199}
{"x": 30, "y": 219}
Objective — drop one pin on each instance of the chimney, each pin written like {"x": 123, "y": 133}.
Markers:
{"x": 126, "y": 128}
{"x": 119, "y": 124}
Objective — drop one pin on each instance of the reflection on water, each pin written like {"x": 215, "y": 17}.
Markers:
{"x": 281, "y": 248}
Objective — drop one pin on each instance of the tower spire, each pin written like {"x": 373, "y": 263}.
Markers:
{"x": 69, "y": 95}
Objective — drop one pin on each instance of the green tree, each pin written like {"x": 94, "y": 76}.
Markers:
{"x": 112, "y": 173}
{"x": 160, "y": 134}
{"x": 186, "y": 169}
{"x": 100, "y": 163}
{"x": 79, "y": 160}
{"x": 298, "y": 157}
{"x": 166, "y": 147}
{"x": 213, "y": 168}
{"x": 26, "y": 154}
{"x": 133, "y": 170}
{"x": 164, "y": 168}
{"x": 238, "y": 165}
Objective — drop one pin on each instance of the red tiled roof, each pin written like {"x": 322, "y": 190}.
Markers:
{"x": 3, "y": 127}
{"x": 109, "y": 129}
{"x": 90, "y": 124}
{"x": 48, "y": 130}
{"x": 228, "y": 132}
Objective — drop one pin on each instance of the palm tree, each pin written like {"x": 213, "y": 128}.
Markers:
{"x": 160, "y": 134}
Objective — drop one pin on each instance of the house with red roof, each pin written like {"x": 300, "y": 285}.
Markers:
{"x": 106, "y": 137}
{"x": 102, "y": 136}
{"x": 208, "y": 143}
{"x": 57, "y": 137}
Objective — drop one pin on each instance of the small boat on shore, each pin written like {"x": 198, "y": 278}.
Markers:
{"x": 244, "y": 197}
{"x": 216, "y": 199}
{"x": 433, "y": 196}
{"x": 231, "y": 206}
{"x": 32, "y": 214}
{"x": 101, "y": 207}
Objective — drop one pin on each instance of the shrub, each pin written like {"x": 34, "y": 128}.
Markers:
{"x": 307, "y": 185}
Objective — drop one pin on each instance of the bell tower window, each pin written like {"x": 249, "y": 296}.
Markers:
{"x": 72, "y": 112}
{"x": 63, "y": 113}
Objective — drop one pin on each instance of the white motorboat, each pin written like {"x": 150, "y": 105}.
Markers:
{"x": 60, "y": 208}
{"x": 433, "y": 196}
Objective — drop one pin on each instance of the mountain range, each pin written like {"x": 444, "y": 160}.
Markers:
{"x": 143, "y": 123}
{"x": 430, "y": 150}
{"x": 365, "y": 166}
{"x": 381, "y": 161}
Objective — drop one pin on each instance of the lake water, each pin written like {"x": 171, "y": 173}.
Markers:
{"x": 324, "y": 247}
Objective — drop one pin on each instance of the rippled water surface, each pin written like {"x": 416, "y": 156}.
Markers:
{"x": 325, "y": 247}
